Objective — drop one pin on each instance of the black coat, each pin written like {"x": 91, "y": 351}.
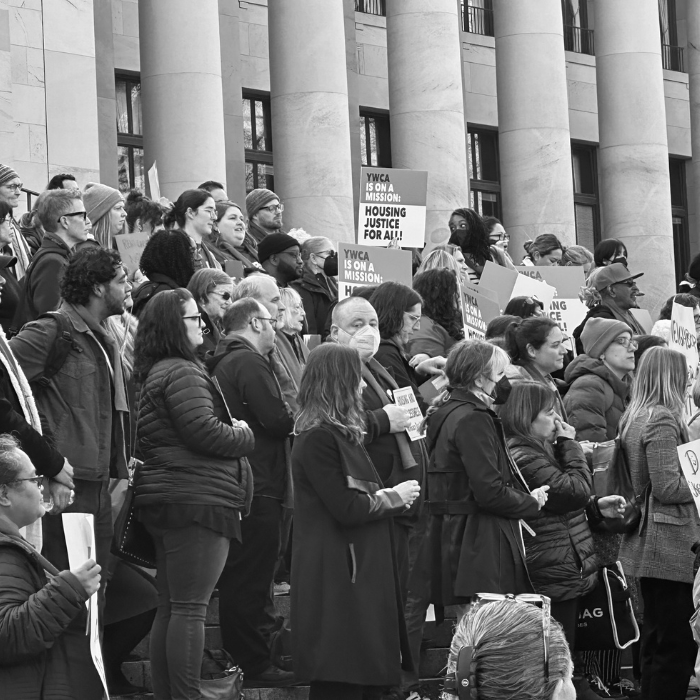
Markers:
{"x": 476, "y": 501}
{"x": 346, "y": 610}
{"x": 561, "y": 557}
{"x": 319, "y": 295}
{"x": 147, "y": 290}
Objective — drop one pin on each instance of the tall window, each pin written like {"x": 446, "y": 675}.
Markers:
{"x": 477, "y": 17}
{"x": 129, "y": 133}
{"x": 585, "y": 171}
{"x": 371, "y": 7}
{"x": 257, "y": 141}
{"x": 671, "y": 53}
{"x": 375, "y": 139}
{"x": 679, "y": 213}
{"x": 484, "y": 178}
{"x": 577, "y": 36}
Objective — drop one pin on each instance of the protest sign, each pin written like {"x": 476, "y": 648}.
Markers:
{"x": 684, "y": 339}
{"x": 392, "y": 207}
{"x": 480, "y": 289}
{"x": 477, "y": 311}
{"x": 130, "y": 247}
{"x": 433, "y": 387}
{"x": 508, "y": 283}
{"x": 689, "y": 456}
{"x": 234, "y": 269}
{"x": 407, "y": 400}
{"x": 153, "y": 182}
{"x": 359, "y": 266}
{"x": 79, "y": 530}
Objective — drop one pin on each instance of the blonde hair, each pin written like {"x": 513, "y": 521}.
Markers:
{"x": 589, "y": 295}
{"x": 576, "y": 255}
{"x": 440, "y": 258}
{"x": 290, "y": 297}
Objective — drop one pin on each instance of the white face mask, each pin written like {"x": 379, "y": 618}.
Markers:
{"x": 365, "y": 341}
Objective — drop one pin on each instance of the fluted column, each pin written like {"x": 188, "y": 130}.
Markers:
{"x": 693, "y": 53}
{"x": 533, "y": 122}
{"x": 183, "y": 108}
{"x": 426, "y": 103}
{"x": 310, "y": 116}
{"x": 634, "y": 186}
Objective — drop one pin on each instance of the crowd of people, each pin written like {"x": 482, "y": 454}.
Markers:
{"x": 255, "y": 414}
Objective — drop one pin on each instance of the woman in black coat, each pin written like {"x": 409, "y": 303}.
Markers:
{"x": 477, "y": 497}
{"x": 346, "y": 614}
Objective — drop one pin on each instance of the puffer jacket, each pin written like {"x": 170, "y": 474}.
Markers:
{"x": 192, "y": 452}
{"x": 561, "y": 557}
{"x": 596, "y": 399}
{"x": 34, "y": 613}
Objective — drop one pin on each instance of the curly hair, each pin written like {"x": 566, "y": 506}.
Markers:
{"x": 391, "y": 300}
{"x": 440, "y": 293}
{"x": 162, "y": 333}
{"x": 138, "y": 206}
{"x": 169, "y": 253}
{"x": 89, "y": 267}
{"x": 474, "y": 241}
{"x": 189, "y": 199}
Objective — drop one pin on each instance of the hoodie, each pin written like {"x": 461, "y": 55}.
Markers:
{"x": 596, "y": 399}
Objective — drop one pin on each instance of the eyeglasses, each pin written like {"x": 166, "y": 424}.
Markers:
{"x": 34, "y": 479}
{"x": 15, "y": 188}
{"x": 273, "y": 321}
{"x": 198, "y": 317}
{"x": 225, "y": 296}
{"x": 499, "y": 237}
{"x": 75, "y": 213}
{"x": 296, "y": 256}
{"x": 629, "y": 343}
{"x": 272, "y": 208}
{"x": 211, "y": 212}
{"x": 413, "y": 317}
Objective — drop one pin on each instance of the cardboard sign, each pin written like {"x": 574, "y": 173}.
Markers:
{"x": 392, "y": 207}
{"x": 234, "y": 269}
{"x": 359, "y": 266}
{"x": 130, "y": 247}
{"x": 689, "y": 456}
{"x": 79, "y": 530}
{"x": 407, "y": 400}
{"x": 480, "y": 289}
{"x": 566, "y": 280}
{"x": 153, "y": 182}
{"x": 684, "y": 339}
{"x": 477, "y": 312}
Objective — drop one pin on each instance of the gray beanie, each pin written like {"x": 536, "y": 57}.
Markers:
{"x": 99, "y": 199}
{"x": 598, "y": 333}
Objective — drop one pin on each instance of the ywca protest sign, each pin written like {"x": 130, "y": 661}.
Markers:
{"x": 477, "y": 311}
{"x": 684, "y": 339}
{"x": 508, "y": 283}
{"x": 392, "y": 207}
{"x": 359, "y": 266}
{"x": 689, "y": 456}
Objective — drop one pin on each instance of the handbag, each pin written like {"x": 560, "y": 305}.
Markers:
{"x": 611, "y": 477}
{"x": 220, "y": 678}
{"x": 606, "y": 617}
{"x": 132, "y": 541}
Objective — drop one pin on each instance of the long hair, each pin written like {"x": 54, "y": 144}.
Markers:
{"x": 189, "y": 199}
{"x": 169, "y": 253}
{"x": 607, "y": 250}
{"x": 329, "y": 393}
{"x": 543, "y": 244}
{"x": 391, "y": 300}
{"x": 475, "y": 240}
{"x": 531, "y": 331}
{"x": 292, "y": 301}
{"x": 161, "y": 333}
{"x": 508, "y": 651}
{"x": 660, "y": 380}
{"x": 440, "y": 293}
{"x": 440, "y": 258}
{"x": 525, "y": 402}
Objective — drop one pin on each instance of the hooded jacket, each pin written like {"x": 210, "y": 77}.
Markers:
{"x": 318, "y": 299}
{"x": 156, "y": 282}
{"x": 596, "y": 399}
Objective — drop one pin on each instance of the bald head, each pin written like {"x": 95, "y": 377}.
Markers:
{"x": 264, "y": 289}
{"x": 351, "y": 315}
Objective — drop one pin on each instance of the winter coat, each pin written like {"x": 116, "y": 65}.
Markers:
{"x": 191, "y": 451}
{"x": 596, "y": 399}
{"x": 431, "y": 338}
{"x": 319, "y": 295}
{"x": 147, "y": 290}
{"x": 516, "y": 373}
{"x": 346, "y": 609}
{"x": 11, "y": 292}
{"x": 476, "y": 501}
{"x": 561, "y": 557}
{"x": 253, "y": 395}
{"x": 672, "y": 525}
{"x": 34, "y": 614}
{"x": 603, "y": 311}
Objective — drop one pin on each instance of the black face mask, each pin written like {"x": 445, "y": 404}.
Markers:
{"x": 330, "y": 265}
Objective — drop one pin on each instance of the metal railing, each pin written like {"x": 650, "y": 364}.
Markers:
{"x": 30, "y": 194}
{"x": 672, "y": 57}
{"x": 579, "y": 40}
{"x": 477, "y": 20}
{"x": 371, "y": 7}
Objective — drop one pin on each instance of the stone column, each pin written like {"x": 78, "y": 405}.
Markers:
{"x": 6, "y": 120}
{"x": 353, "y": 101}
{"x": 106, "y": 93}
{"x": 533, "y": 122}
{"x": 310, "y": 116}
{"x": 426, "y": 104}
{"x": 182, "y": 99}
{"x": 693, "y": 54}
{"x": 635, "y": 192}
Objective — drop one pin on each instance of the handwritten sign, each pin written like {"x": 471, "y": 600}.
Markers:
{"x": 689, "y": 456}
{"x": 359, "y": 266}
{"x": 130, "y": 246}
{"x": 407, "y": 400}
{"x": 477, "y": 311}
{"x": 684, "y": 339}
{"x": 392, "y": 207}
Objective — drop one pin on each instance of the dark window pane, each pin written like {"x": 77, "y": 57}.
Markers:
{"x": 363, "y": 140}
{"x": 136, "y": 123}
{"x": 122, "y": 108}
{"x": 260, "y": 136}
{"x": 265, "y": 176}
{"x": 247, "y": 125}
{"x": 483, "y": 156}
{"x": 139, "y": 180}
{"x": 373, "y": 149}
{"x": 677, "y": 175}
{"x": 123, "y": 168}
{"x": 584, "y": 176}
{"x": 585, "y": 225}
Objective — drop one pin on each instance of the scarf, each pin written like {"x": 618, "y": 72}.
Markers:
{"x": 20, "y": 249}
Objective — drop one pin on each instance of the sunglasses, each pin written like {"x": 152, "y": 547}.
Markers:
{"x": 75, "y": 213}
{"x": 225, "y": 296}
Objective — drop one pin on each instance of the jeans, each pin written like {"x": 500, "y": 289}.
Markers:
{"x": 245, "y": 587}
{"x": 668, "y": 648}
{"x": 189, "y": 561}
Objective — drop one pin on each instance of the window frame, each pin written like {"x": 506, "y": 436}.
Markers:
{"x": 256, "y": 156}
{"x": 487, "y": 186}
{"x": 681, "y": 247}
{"x": 383, "y": 134}
{"x": 590, "y": 200}
{"x": 129, "y": 140}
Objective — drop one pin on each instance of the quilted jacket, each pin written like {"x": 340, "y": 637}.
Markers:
{"x": 192, "y": 451}
{"x": 561, "y": 557}
{"x": 34, "y": 613}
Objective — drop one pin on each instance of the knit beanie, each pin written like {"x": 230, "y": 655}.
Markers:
{"x": 7, "y": 174}
{"x": 99, "y": 199}
{"x": 275, "y": 243}
{"x": 598, "y": 333}
{"x": 257, "y": 199}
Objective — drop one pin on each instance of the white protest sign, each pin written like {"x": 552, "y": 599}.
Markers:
{"x": 689, "y": 456}
{"x": 153, "y": 182}
{"x": 392, "y": 207}
{"x": 684, "y": 339}
{"x": 407, "y": 400}
{"x": 79, "y": 530}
